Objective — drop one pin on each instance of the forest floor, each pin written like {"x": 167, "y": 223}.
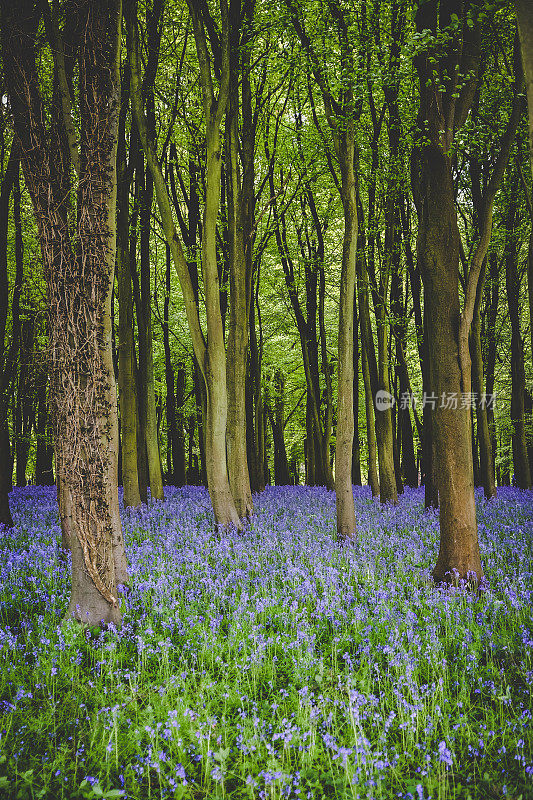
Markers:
{"x": 272, "y": 663}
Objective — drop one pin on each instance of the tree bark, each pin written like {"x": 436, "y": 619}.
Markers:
{"x": 126, "y": 347}
{"x": 373, "y": 479}
{"x": 6, "y": 476}
{"x": 173, "y": 467}
{"x": 346, "y": 525}
{"x": 79, "y": 290}
{"x": 146, "y": 359}
{"x": 8, "y": 364}
{"x": 178, "y": 455}
{"x": 356, "y": 448}
{"x": 486, "y": 462}
{"x": 522, "y": 473}
{"x": 44, "y": 452}
{"x": 239, "y": 477}
{"x": 525, "y": 29}
{"x": 277, "y": 421}
{"x": 440, "y": 114}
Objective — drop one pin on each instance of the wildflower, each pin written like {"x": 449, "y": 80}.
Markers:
{"x": 445, "y": 754}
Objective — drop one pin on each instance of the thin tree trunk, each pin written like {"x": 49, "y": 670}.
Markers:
{"x": 6, "y": 476}
{"x": 239, "y": 477}
{"x": 346, "y": 525}
{"x": 170, "y": 396}
{"x": 179, "y": 446}
{"x": 491, "y": 347}
{"x": 372, "y": 478}
{"x": 146, "y": 360}
{"x": 486, "y": 465}
{"x": 525, "y": 28}
{"x": 126, "y": 363}
{"x": 356, "y": 448}
{"x": 522, "y": 474}
{"x": 44, "y": 452}
{"x": 277, "y": 421}
{"x": 6, "y": 466}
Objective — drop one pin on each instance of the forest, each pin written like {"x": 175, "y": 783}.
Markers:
{"x": 266, "y": 399}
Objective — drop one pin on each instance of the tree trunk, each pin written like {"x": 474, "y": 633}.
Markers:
{"x": 491, "y": 346}
{"x": 346, "y": 525}
{"x": 170, "y": 397}
{"x": 24, "y": 409}
{"x": 79, "y": 291}
{"x": 126, "y": 352}
{"x": 6, "y": 476}
{"x": 372, "y": 478}
{"x": 441, "y": 113}
{"x": 6, "y": 377}
{"x": 146, "y": 359}
{"x": 179, "y": 446}
{"x": 525, "y": 29}
{"x": 23, "y": 332}
{"x": 356, "y": 448}
{"x": 438, "y": 253}
{"x": 44, "y": 453}
{"x": 277, "y": 421}
{"x": 254, "y": 405}
{"x": 239, "y": 477}
{"x": 486, "y": 464}
{"x": 522, "y": 474}
{"x": 429, "y": 463}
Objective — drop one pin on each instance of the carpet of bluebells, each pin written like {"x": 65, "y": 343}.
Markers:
{"x": 273, "y": 663}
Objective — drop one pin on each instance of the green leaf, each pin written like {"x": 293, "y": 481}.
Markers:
{"x": 222, "y": 754}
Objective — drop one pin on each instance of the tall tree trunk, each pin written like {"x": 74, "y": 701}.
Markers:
{"x": 146, "y": 359}
{"x": 79, "y": 289}
{"x": 372, "y": 478}
{"x": 522, "y": 472}
{"x": 179, "y": 446}
{"x": 491, "y": 347}
{"x": 356, "y": 448}
{"x": 346, "y": 525}
{"x": 486, "y": 462}
{"x": 277, "y": 421}
{"x": 404, "y": 428}
{"x": 239, "y": 477}
{"x": 44, "y": 452}
{"x": 23, "y": 331}
{"x": 170, "y": 397}
{"x": 254, "y": 405}
{"x": 525, "y": 28}
{"x": 438, "y": 253}
{"x": 451, "y": 431}
{"x": 24, "y": 408}
{"x": 126, "y": 347}
{"x": 6, "y": 476}
{"x": 8, "y": 365}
